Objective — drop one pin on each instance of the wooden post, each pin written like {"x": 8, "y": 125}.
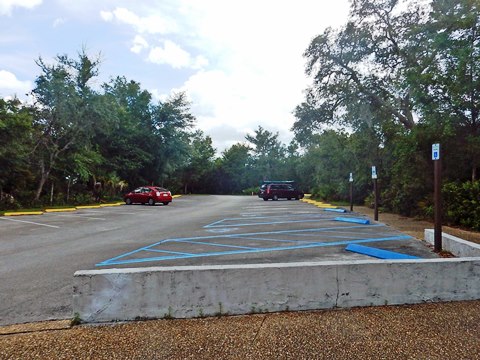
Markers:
{"x": 375, "y": 191}
{"x": 351, "y": 191}
{"x": 437, "y": 245}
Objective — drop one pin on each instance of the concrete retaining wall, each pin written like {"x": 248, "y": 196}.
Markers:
{"x": 184, "y": 292}
{"x": 455, "y": 245}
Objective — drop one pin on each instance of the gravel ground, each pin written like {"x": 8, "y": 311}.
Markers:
{"x": 427, "y": 331}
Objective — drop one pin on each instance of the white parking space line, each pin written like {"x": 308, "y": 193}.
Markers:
{"x": 124, "y": 213}
{"x": 30, "y": 222}
{"x": 93, "y": 211}
{"x": 82, "y": 216}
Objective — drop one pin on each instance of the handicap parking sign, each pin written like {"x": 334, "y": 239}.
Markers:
{"x": 436, "y": 152}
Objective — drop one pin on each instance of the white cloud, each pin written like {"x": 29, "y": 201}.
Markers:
{"x": 170, "y": 54}
{"x": 152, "y": 24}
{"x": 10, "y": 85}
{"x": 58, "y": 22}
{"x": 256, "y": 73}
{"x": 6, "y": 6}
{"x": 106, "y": 15}
{"x": 240, "y": 63}
{"x": 139, "y": 44}
{"x": 200, "y": 62}
{"x": 240, "y": 101}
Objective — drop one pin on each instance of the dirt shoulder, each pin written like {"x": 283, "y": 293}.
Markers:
{"x": 415, "y": 227}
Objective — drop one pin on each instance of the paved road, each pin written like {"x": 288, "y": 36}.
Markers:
{"x": 39, "y": 254}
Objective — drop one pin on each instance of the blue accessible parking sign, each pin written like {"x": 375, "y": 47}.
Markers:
{"x": 436, "y": 152}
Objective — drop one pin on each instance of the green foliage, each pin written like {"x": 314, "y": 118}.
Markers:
{"x": 16, "y": 133}
{"x": 76, "y": 320}
{"x": 461, "y": 204}
{"x": 268, "y": 154}
{"x": 390, "y": 82}
{"x": 235, "y": 170}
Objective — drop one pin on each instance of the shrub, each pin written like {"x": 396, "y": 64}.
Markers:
{"x": 461, "y": 204}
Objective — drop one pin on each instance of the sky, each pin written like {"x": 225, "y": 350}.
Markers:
{"x": 239, "y": 62}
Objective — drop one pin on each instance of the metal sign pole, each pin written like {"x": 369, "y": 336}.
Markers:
{"x": 437, "y": 246}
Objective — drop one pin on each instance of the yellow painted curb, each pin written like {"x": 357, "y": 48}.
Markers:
{"x": 319, "y": 204}
{"x": 59, "y": 210}
{"x": 176, "y": 196}
{"x": 89, "y": 207}
{"x": 113, "y": 204}
{"x": 23, "y": 213}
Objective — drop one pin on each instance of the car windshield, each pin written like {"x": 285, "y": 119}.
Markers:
{"x": 160, "y": 189}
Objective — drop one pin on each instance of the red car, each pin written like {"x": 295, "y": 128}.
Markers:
{"x": 148, "y": 195}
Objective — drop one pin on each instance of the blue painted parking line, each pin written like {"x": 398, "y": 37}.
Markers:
{"x": 335, "y": 210}
{"x": 123, "y": 259}
{"x": 168, "y": 252}
{"x": 270, "y": 220}
{"x": 335, "y": 228}
{"x": 215, "y": 244}
{"x": 261, "y": 223}
{"x": 353, "y": 220}
{"x": 378, "y": 253}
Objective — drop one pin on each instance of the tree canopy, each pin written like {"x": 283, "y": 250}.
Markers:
{"x": 398, "y": 76}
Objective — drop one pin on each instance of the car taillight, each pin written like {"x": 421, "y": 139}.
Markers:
{"x": 268, "y": 190}
{"x": 158, "y": 193}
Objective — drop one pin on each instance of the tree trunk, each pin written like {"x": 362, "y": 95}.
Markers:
{"x": 43, "y": 179}
{"x": 68, "y": 189}
{"x": 51, "y": 195}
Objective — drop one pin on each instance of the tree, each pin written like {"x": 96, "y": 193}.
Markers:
{"x": 64, "y": 116}
{"x": 127, "y": 140}
{"x": 234, "y": 170}
{"x": 365, "y": 62}
{"x": 15, "y": 152}
{"x": 268, "y": 153}
{"x": 172, "y": 122}
{"x": 199, "y": 163}
{"x": 447, "y": 84}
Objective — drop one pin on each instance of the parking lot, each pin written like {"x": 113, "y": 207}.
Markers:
{"x": 39, "y": 254}
{"x": 273, "y": 234}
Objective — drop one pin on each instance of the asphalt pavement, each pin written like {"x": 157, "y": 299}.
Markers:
{"x": 40, "y": 253}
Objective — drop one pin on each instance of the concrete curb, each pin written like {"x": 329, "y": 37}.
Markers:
{"x": 41, "y": 212}
{"x": 59, "y": 210}
{"x": 319, "y": 204}
{"x": 195, "y": 291}
{"x": 455, "y": 245}
{"x": 19, "y": 213}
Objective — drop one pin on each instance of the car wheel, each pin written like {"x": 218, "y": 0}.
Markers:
{"x": 128, "y": 201}
{"x": 265, "y": 199}
{"x": 151, "y": 201}
{"x": 166, "y": 203}
{"x": 289, "y": 198}
{"x": 275, "y": 197}
{"x": 296, "y": 197}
